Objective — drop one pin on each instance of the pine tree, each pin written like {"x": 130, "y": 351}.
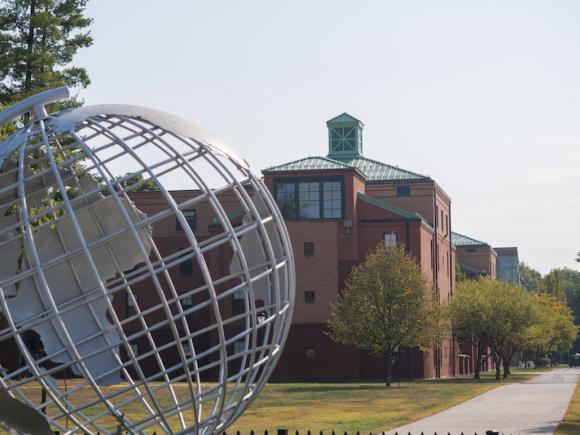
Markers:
{"x": 38, "y": 40}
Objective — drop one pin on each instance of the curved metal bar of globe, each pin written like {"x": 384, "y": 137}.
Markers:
{"x": 35, "y": 104}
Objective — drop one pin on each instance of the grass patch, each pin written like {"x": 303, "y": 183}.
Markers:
{"x": 365, "y": 407}
{"x": 570, "y": 424}
{"x": 342, "y": 407}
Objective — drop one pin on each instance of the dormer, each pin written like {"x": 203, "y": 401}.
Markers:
{"x": 344, "y": 137}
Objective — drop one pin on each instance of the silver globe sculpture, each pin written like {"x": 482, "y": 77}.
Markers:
{"x": 146, "y": 274}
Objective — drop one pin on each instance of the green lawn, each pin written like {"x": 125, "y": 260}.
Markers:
{"x": 366, "y": 407}
{"x": 351, "y": 407}
{"x": 570, "y": 425}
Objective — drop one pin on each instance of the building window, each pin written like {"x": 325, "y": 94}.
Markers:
{"x": 130, "y": 306}
{"x": 239, "y": 347}
{"x": 185, "y": 264}
{"x": 309, "y": 354}
{"x": 186, "y": 302}
{"x": 332, "y": 205}
{"x": 309, "y": 297}
{"x": 286, "y": 199}
{"x": 238, "y": 302}
{"x": 310, "y": 198}
{"x": 442, "y": 220}
{"x": 309, "y": 249}
{"x": 191, "y": 218}
{"x": 135, "y": 349}
{"x": 391, "y": 239}
{"x": 187, "y": 349}
{"x": 239, "y": 350}
{"x": 403, "y": 190}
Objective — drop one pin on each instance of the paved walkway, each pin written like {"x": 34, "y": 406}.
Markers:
{"x": 533, "y": 407}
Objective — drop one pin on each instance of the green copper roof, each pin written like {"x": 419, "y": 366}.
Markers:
{"x": 378, "y": 171}
{"x": 344, "y": 118}
{"x": 372, "y": 170}
{"x": 386, "y": 206}
{"x": 466, "y": 268}
{"x": 309, "y": 164}
{"x": 345, "y": 152}
{"x": 461, "y": 240}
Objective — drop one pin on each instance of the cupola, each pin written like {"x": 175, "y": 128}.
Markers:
{"x": 344, "y": 137}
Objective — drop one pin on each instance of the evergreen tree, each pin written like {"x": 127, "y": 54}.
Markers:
{"x": 38, "y": 40}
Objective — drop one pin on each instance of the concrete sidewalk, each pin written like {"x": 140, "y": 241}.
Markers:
{"x": 533, "y": 407}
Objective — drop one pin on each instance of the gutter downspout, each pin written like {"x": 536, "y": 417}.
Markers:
{"x": 435, "y": 272}
{"x": 452, "y": 287}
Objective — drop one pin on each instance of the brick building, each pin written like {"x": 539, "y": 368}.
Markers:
{"x": 337, "y": 208}
{"x": 475, "y": 258}
{"x": 478, "y": 259}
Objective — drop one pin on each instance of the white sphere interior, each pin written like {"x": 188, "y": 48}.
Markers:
{"x": 114, "y": 311}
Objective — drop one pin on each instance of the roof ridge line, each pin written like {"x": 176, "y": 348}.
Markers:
{"x": 470, "y": 238}
{"x": 392, "y": 166}
{"x": 300, "y": 159}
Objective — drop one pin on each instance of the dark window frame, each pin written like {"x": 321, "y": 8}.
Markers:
{"x": 309, "y": 353}
{"x": 296, "y": 181}
{"x": 238, "y": 303}
{"x": 403, "y": 191}
{"x": 309, "y": 297}
{"x": 309, "y": 249}
{"x": 185, "y": 266}
{"x": 191, "y": 222}
{"x": 184, "y": 304}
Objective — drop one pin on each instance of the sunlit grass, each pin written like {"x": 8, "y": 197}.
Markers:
{"x": 570, "y": 424}
{"x": 364, "y": 406}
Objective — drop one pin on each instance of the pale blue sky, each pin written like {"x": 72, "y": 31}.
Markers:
{"x": 483, "y": 96}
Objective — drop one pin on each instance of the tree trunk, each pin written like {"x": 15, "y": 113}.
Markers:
{"x": 506, "y": 367}
{"x": 388, "y": 360}
{"x": 477, "y": 362}
{"x": 497, "y": 361}
{"x": 29, "y": 49}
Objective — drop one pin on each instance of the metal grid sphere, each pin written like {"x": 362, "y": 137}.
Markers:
{"x": 134, "y": 305}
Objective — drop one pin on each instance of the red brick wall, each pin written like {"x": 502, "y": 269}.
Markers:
{"x": 480, "y": 257}
{"x": 332, "y": 361}
{"x": 318, "y": 273}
